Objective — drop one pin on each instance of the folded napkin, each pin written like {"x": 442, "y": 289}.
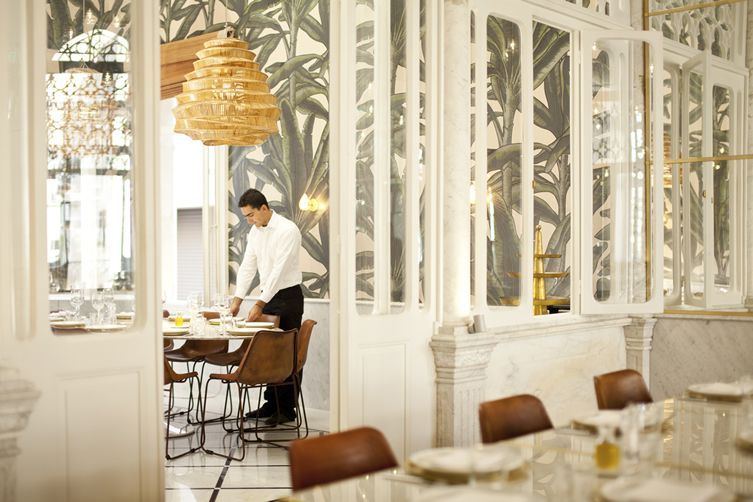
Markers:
{"x": 663, "y": 490}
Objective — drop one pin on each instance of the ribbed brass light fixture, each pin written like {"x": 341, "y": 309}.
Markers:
{"x": 226, "y": 99}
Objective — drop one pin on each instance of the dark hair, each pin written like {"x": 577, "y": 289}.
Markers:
{"x": 253, "y": 198}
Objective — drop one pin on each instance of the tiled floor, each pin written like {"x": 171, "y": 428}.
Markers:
{"x": 262, "y": 475}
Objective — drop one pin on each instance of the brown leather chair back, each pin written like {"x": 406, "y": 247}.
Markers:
{"x": 304, "y": 337}
{"x": 167, "y": 344}
{"x": 617, "y": 389}
{"x": 210, "y": 314}
{"x": 165, "y": 314}
{"x": 269, "y": 358}
{"x": 511, "y": 417}
{"x": 342, "y": 455}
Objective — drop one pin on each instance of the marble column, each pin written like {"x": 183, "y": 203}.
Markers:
{"x": 17, "y": 398}
{"x": 455, "y": 233}
{"x": 638, "y": 337}
{"x": 461, "y": 362}
{"x": 460, "y": 357}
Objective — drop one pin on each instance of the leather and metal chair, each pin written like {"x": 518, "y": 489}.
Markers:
{"x": 233, "y": 358}
{"x": 170, "y": 379}
{"x": 512, "y": 417}
{"x": 193, "y": 352}
{"x": 330, "y": 458}
{"x": 304, "y": 339}
{"x": 268, "y": 361}
{"x": 617, "y": 389}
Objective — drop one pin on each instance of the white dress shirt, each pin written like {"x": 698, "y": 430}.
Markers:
{"x": 273, "y": 251}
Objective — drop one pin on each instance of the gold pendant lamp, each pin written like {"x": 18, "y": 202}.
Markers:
{"x": 226, "y": 99}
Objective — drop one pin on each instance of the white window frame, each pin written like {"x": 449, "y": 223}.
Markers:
{"x": 575, "y": 20}
{"x": 655, "y": 304}
{"x": 715, "y": 72}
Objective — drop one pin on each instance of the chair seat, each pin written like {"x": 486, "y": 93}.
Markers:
{"x": 227, "y": 359}
{"x": 196, "y": 350}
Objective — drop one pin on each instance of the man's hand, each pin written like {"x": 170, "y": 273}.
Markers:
{"x": 235, "y": 306}
{"x": 255, "y": 312}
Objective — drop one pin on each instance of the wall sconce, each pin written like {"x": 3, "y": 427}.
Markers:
{"x": 308, "y": 204}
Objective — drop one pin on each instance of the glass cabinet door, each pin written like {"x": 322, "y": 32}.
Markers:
{"x": 621, "y": 173}
{"x": 711, "y": 115}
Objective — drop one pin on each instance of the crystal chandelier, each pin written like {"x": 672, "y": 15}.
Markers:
{"x": 87, "y": 114}
{"x": 226, "y": 99}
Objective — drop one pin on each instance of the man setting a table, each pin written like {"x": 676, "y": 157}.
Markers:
{"x": 272, "y": 249}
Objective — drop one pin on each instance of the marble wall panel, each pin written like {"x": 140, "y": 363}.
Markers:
{"x": 687, "y": 351}
{"x": 558, "y": 368}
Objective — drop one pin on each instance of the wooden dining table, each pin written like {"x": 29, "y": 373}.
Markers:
{"x": 697, "y": 446}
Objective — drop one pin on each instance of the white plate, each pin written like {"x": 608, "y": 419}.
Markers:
{"x": 105, "y": 327}
{"x": 467, "y": 493}
{"x": 172, "y": 318}
{"x": 243, "y": 331}
{"x": 174, "y": 331}
{"x": 238, "y": 320}
{"x": 664, "y": 490}
{"x": 458, "y": 460}
{"x": 68, "y": 324}
{"x": 716, "y": 390}
{"x": 604, "y": 418}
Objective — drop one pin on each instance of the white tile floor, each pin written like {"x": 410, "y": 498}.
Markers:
{"x": 262, "y": 475}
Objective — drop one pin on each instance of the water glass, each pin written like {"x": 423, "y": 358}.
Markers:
{"x": 98, "y": 301}
{"x": 77, "y": 299}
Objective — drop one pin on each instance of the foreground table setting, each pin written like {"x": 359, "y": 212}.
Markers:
{"x": 682, "y": 449}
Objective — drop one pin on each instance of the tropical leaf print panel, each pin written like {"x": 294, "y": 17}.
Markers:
{"x": 504, "y": 136}
{"x": 552, "y": 169}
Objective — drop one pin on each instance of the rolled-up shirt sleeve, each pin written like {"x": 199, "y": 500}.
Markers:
{"x": 285, "y": 256}
{"x": 246, "y": 271}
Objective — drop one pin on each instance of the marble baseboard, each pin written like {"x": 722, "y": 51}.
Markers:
{"x": 687, "y": 351}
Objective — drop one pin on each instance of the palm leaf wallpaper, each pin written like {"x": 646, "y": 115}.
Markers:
{"x": 551, "y": 55}
{"x": 291, "y": 39}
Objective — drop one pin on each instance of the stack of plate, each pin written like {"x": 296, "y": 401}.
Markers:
{"x": 67, "y": 324}
{"x": 173, "y": 331}
{"x": 105, "y": 328}
{"x": 456, "y": 465}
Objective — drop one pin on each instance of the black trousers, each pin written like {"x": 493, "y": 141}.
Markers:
{"x": 288, "y": 304}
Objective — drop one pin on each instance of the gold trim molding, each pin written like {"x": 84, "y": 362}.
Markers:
{"x": 693, "y": 160}
{"x": 686, "y": 8}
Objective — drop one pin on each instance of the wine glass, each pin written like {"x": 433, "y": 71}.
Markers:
{"x": 109, "y": 304}
{"x": 77, "y": 299}
{"x": 225, "y": 316}
{"x": 98, "y": 301}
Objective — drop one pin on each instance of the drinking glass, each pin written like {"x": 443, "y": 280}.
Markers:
{"x": 109, "y": 306}
{"x": 77, "y": 299}
{"x": 98, "y": 301}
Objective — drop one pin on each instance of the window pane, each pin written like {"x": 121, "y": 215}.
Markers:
{"x": 620, "y": 235}
{"x": 670, "y": 151}
{"x": 398, "y": 149}
{"x": 504, "y": 135}
{"x": 365, "y": 153}
{"x": 552, "y": 168}
{"x": 89, "y": 184}
{"x": 693, "y": 229}
{"x": 722, "y": 190}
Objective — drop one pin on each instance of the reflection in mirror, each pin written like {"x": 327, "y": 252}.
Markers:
{"x": 722, "y": 190}
{"x": 89, "y": 164}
